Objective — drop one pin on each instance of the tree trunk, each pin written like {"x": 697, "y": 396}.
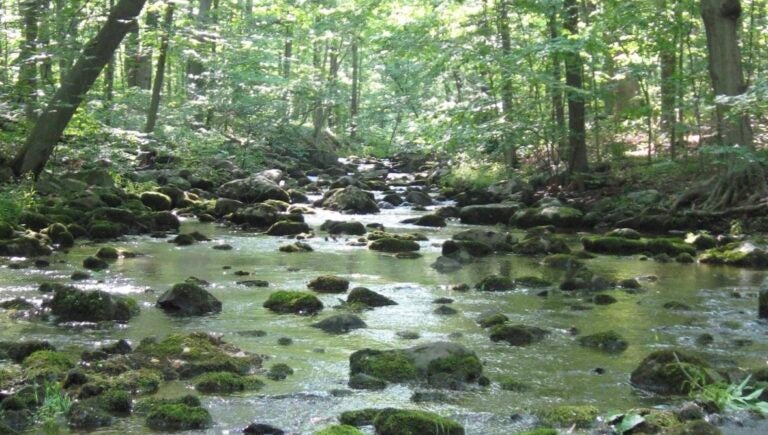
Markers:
{"x": 157, "y": 87}
{"x": 721, "y": 20}
{"x": 354, "y": 103}
{"x": 558, "y": 109}
{"x": 46, "y": 29}
{"x": 507, "y": 93}
{"x": 138, "y": 58}
{"x": 668, "y": 67}
{"x": 195, "y": 67}
{"x": 27, "y": 80}
{"x": 109, "y": 79}
{"x": 577, "y": 157}
{"x": 46, "y": 133}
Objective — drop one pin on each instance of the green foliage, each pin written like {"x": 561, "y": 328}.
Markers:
{"x": 56, "y": 404}
{"x": 16, "y": 198}
{"x": 468, "y": 173}
{"x": 730, "y": 397}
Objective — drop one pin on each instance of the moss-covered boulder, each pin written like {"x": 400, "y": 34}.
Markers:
{"x": 497, "y": 240}
{"x": 279, "y": 371}
{"x": 340, "y": 324}
{"x": 165, "y": 221}
{"x": 411, "y": 422}
{"x": 140, "y": 381}
{"x": 60, "y": 235}
{"x": 350, "y": 199}
{"x": 360, "y": 417}
{"x": 608, "y": 341}
{"x": 393, "y": 245}
{"x": 34, "y": 221}
{"x": 197, "y": 353}
{"x": 488, "y": 214}
{"x": 362, "y": 296}
{"x": 107, "y": 253}
{"x": 518, "y": 335}
{"x": 94, "y": 263}
{"x": 17, "y": 351}
{"x": 493, "y": 319}
{"x": 441, "y": 364}
{"x": 156, "y": 201}
{"x": 626, "y": 246}
{"x": 495, "y": 283}
{"x": 461, "y": 248}
{"x": 177, "y": 415}
{"x": 329, "y": 284}
{"x": 427, "y": 220}
{"x": 47, "y": 364}
{"x": 287, "y": 228}
{"x": 262, "y": 429}
{"x": 291, "y": 302}
{"x": 70, "y": 304}
{"x": 352, "y": 228}
{"x": 257, "y": 188}
{"x": 541, "y": 241}
{"x": 555, "y": 215}
{"x": 339, "y": 429}
{"x": 88, "y": 415}
{"x": 25, "y": 246}
{"x": 226, "y": 383}
{"x": 743, "y": 254}
{"x": 259, "y": 216}
{"x": 669, "y": 372}
{"x": 187, "y": 299}
{"x": 104, "y": 230}
{"x": 568, "y": 415}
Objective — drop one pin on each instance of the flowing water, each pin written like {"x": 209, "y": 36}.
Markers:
{"x": 557, "y": 369}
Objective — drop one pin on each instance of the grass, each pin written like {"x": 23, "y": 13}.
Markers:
{"x": 55, "y": 405}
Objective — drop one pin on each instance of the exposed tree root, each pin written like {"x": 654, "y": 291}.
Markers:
{"x": 740, "y": 190}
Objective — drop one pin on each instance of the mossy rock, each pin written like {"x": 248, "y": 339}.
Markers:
{"x": 512, "y": 384}
{"x": 93, "y": 263}
{"x": 107, "y": 253}
{"x": 178, "y": 415}
{"x": 540, "y": 431}
{"x": 17, "y": 304}
{"x": 368, "y": 298}
{"x": 296, "y": 247}
{"x": 287, "y": 302}
{"x": 518, "y": 335}
{"x": 103, "y": 230}
{"x": 392, "y": 245}
{"x": 329, "y": 284}
{"x": 17, "y": 351}
{"x": 6, "y": 231}
{"x": 187, "y": 299}
{"x": 156, "y": 201}
{"x": 562, "y": 261}
{"x": 226, "y": 383}
{"x": 668, "y": 372}
{"x": 736, "y": 254}
{"x": 116, "y": 401}
{"x": 532, "y": 282}
{"x": 287, "y": 228}
{"x": 390, "y": 365}
{"x": 60, "y": 235}
{"x": 411, "y": 422}
{"x": 279, "y": 371}
{"x": 491, "y": 320}
{"x": 625, "y": 246}
{"x": 72, "y": 305}
{"x": 88, "y": 415}
{"x": 33, "y": 221}
{"x": 339, "y": 429}
{"x": 696, "y": 427}
{"x": 495, "y": 283}
{"x": 198, "y": 353}
{"x": 361, "y": 381}
{"x": 165, "y": 221}
{"x": 47, "y": 364}
{"x": 358, "y": 418}
{"x": 608, "y": 341}
{"x": 141, "y": 381}
{"x": 567, "y": 415}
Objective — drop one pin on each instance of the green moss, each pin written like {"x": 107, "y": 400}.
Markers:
{"x": 156, "y": 201}
{"x": 226, "y": 383}
{"x": 279, "y": 371}
{"x": 103, "y": 230}
{"x": 141, "y": 381}
{"x": 200, "y": 353}
{"x": 495, "y": 283}
{"x": 540, "y": 431}
{"x": 517, "y": 335}
{"x": 626, "y": 246}
{"x": 390, "y": 365}
{"x": 561, "y": 261}
{"x": 46, "y": 364}
{"x": 339, "y": 429}
{"x": 609, "y": 341}
{"x": 393, "y": 245}
{"x": 284, "y": 302}
{"x": 361, "y": 417}
{"x": 70, "y": 304}
{"x": 669, "y": 372}
{"x": 736, "y": 254}
{"x": 117, "y": 401}
{"x": 6, "y": 230}
{"x": 532, "y": 282}
{"x": 566, "y": 416}
{"x": 463, "y": 368}
{"x": 178, "y": 416}
{"x": 107, "y": 253}
{"x": 512, "y": 384}
{"x": 408, "y": 422}
{"x": 493, "y": 320}
{"x": 329, "y": 284}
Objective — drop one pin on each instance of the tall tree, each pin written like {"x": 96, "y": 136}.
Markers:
{"x": 577, "y": 138}
{"x": 51, "y": 124}
{"x": 27, "y": 81}
{"x": 157, "y": 86}
{"x": 721, "y": 20}
{"x": 507, "y": 92}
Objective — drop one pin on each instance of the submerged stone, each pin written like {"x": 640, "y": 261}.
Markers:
{"x": 284, "y": 302}
{"x": 186, "y": 299}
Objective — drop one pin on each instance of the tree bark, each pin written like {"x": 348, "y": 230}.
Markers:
{"x": 27, "y": 81}
{"x": 51, "y": 124}
{"x": 558, "y": 109}
{"x": 721, "y": 20}
{"x": 668, "y": 67}
{"x": 507, "y": 93}
{"x": 354, "y": 102}
{"x": 157, "y": 86}
{"x": 577, "y": 158}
